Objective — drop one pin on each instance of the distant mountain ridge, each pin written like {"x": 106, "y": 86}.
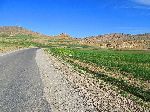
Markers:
{"x": 119, "y": 41}
{"x": 115, "y": 40}
{"x": 14, "y": 30}
{"x": 120, "y": 37}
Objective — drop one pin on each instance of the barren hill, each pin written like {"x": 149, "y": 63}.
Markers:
{"x": 116, "y": 40}
{"x": 14, "y": 30}
{"x": 62, "y": 36}
{"x": 119, "y": 41}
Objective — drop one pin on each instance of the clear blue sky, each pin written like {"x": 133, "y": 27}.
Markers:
{"x": 79, "y": 18}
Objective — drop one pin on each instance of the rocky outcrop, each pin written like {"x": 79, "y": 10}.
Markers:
{"x": 119, "y": 41}
{"x": 63, "y": 36}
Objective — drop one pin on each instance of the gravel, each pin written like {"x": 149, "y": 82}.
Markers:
{"x": 70, "y": 91}
{"x": 58, "y": 91}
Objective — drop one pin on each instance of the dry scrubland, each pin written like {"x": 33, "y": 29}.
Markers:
{"x": 126, "y": 70}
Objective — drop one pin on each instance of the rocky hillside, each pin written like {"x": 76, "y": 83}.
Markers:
{"x": 119, "y": 41}
{"x": 116, "y": 41}
{"x": 14, "y": 30}
{"x": 63, "y": 36}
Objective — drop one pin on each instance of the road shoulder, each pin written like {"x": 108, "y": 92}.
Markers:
{"x": 68, "y": 90}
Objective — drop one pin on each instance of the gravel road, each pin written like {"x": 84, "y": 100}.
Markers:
{"x": 21, "y": 88}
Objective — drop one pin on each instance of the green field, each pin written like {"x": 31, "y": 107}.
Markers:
{"x": 136, "y": 63}
{"x": 8, "y": 43}
{"x": 133, "y": 64}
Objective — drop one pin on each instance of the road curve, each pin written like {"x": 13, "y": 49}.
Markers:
{"x": 21, "y": 89}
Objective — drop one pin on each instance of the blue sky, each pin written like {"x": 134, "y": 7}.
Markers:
{"x": 79, "y": 18}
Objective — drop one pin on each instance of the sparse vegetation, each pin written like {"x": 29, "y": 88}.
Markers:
{"x": 18, "y": 41}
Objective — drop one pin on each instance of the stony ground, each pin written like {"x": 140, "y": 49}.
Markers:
{"x": 60, "y": 92}
{"x": 69, "y": 91}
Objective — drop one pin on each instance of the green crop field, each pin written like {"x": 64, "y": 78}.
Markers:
{"x": 131, "y": 64}
{"x": 136, "y": 63}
